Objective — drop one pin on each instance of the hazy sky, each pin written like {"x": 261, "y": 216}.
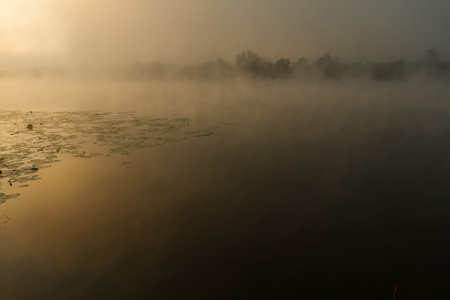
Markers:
{"x": 64, "y": 32}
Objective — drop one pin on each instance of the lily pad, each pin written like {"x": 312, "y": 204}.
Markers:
{"x": 25, "y": 149}
{"x": 4, "y": 197}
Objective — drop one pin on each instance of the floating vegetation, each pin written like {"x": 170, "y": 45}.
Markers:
{"x": 27, "y": 148}
{"x": 4, "y": 197}
{"x": 205, "y": 132}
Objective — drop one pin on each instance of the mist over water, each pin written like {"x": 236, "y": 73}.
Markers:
{"x": 147, "y": 152}
{"x": 311, "y": 189}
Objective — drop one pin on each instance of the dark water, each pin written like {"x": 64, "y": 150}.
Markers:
{"x": 318, "y": 192}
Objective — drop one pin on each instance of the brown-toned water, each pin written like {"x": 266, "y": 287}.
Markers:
{"x": 270, "y": 190}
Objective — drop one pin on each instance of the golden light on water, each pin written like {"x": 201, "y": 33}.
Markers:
{"x": 144, "y": 153}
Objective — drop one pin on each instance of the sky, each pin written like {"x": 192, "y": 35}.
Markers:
{"x": 51, "y": 33}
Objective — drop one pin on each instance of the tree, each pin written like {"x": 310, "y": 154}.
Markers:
{"x": 282, "y": 68}
{"x": 330, "y": 67}
{"x": 432, "y": 56}
{"x": 248, "y": 61}
{"x": 325, "y": 60}
{"x": 390, "y": 71}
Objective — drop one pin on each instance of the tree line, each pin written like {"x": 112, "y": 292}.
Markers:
{"x": 250, "y": 64}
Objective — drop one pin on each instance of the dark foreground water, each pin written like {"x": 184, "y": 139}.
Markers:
{"x": 323, "y": 191}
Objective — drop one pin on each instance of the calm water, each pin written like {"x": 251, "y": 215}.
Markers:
{"x": 311, "y": 191}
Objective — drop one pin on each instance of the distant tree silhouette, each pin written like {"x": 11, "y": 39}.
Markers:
{"x": 282, "y": 68}
{"x": 324, "y": 60}
{"x": 432, "y": 56}
{"x": 431, "y": 64}
{"x": 391, "y": 71}
{"x": 248, "y": 61}
{"x": 330, "y": 67}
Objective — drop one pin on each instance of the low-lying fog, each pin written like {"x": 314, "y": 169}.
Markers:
{"x": 310, "y": 189}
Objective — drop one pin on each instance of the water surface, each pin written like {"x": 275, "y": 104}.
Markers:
{"x": 312, "y": 190}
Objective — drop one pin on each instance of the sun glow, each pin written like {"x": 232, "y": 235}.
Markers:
{"x": 29, "y": 29}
